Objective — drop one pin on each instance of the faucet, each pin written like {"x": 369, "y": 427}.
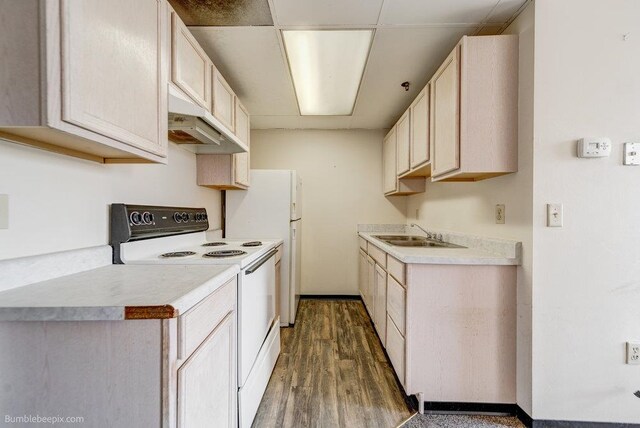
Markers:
{"x": 429, "y": 234}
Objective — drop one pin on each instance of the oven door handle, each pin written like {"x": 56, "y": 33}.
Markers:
{"x": 254, "y": 267}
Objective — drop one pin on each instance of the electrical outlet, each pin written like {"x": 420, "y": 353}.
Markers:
{"x": 633, "y": 353}
{"x": 500, "y": 214}
{"x": 554, "y": 215}
{"x": 4, "y": 211}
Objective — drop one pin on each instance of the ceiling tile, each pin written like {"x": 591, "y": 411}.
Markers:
{"x": 300, "y": 122}
{"x": 398, "y": 55}
{"x": 223, "y": 12}
{"x": 505, "y": 10}
{"x": 251, "y": 60}
{"x": 435, "y": 11}
{"x": 326, "y": 12}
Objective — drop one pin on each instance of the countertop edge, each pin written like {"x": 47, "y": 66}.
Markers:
{"x": 489, "y": 259}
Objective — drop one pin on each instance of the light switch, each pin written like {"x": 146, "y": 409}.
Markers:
{"x": 554, "y": 215}
{"x": 632, "y": 153}
{"x": 4, "y": 211}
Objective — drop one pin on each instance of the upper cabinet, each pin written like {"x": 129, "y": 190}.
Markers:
{"x": 223, "y": 101}
{"x": 474, "y": 110}
{"x": 190, "y": 65}
{"x": 70, "y": 86}
{"x": 242, "y": 160}
{"x": 392, "y": 185}
{"x": 420, "y": 152}
{"x": 404, "y": 142}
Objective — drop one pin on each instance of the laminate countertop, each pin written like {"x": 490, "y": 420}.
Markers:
{"x": 479, "y": 251}
{"x": 116, "y": 292}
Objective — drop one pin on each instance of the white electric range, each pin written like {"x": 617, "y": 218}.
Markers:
{"x": 169, "y": 235}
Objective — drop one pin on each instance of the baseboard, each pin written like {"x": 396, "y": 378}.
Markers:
{"x": 330, "y": 297}
{"x": 579, "y": 424}
{"x": 447, "y": 406}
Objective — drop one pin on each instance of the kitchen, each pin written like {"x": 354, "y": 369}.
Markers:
{"x": 91, "y": 132}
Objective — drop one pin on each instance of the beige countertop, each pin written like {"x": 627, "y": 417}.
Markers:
{"x": 115, "y": 292}
{"x": 478, "y": 251}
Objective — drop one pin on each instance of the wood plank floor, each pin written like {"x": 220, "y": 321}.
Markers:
{"x": 332, "y": 372}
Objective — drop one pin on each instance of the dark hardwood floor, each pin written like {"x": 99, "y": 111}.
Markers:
{"x": 332, "y": 372}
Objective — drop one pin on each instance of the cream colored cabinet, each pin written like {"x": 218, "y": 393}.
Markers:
{"x": 420, "y": 133}
{"x": 207, "y": 381}
{"x": 403, "y": 141}
{"x": 362, "y": 275}
{"x": 392, "y": 185}
{"x": 223, "y": 100}
{"x": 380, "y": 305}
{"x": 389, "y": 162}
{"x": 190, "y": 65}
{"x": 446, "y": 115}
{"x": 70, "y": 86}
{"x": 242, "y": 160}
{"x": 474, "y": 110}
{"x": 371, "y": 286}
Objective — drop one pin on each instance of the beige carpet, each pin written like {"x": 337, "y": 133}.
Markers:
{"x": 462, "y": 421}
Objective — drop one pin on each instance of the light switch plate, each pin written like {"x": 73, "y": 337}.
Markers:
{"x": 4, "y": 211}
{"x": 554, "y": 215}
{"x": 631, "y": 153}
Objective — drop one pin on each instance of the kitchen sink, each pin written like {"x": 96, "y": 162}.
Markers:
{"x": 415, "y": 241}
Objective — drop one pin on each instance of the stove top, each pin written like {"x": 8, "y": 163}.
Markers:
{"x": 252, "y": 244}
{"x": 214, "y": 244}
{"x": 177, "y": 254}
{"x": 224, "y": 253}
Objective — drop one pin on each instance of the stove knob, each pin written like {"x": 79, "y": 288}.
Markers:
{"x": 185, "y": 217}
{"x": 177, "y": 217}
{"x": 198, "y": 217}
{"x": 147, "y": 218}
{"x": 135, "y": 218}
{"x": 204, "y": 217}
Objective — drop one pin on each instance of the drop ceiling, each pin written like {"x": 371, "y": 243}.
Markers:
{"x": 412, "y": 37}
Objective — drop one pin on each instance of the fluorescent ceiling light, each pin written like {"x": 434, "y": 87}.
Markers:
{"x": 327, "y": 68}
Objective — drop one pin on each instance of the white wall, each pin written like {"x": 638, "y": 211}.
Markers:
{"x": 58, "y": 203}
{"x": 342, "y": 175}
{"x": 470, "y": 207}
{"x": 586, "y": 280}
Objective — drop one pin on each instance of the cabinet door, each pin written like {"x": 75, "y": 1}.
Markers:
{"x": 380, "y": 310}
{"x": 390, "y": 178}
{"x": 445, "y": 108}
{"x": 362, "y": 274}
{"x": 403, "y": 141}
{"x": 207, "y": 381}
{"x": 420, "y": 128}
{"x": 242, "y": 160}
{"x": 223, "y": 101}
{"x": 371, "y": 281}
{"x": 190, "y": 65}
{"x": 115, "y": 86}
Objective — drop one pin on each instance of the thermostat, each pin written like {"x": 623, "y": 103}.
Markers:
{"x": 594, "y": 147}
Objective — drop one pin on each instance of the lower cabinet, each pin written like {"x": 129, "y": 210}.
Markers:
{"x": 206, "y": 381}
{"x": 442, "y": 325}
{"x": 380, "y": 305}
{"x": 168, "y": 372}
{"x": 362, "y": 275}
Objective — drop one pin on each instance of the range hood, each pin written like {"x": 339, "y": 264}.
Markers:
{"x": 195, "y": 129}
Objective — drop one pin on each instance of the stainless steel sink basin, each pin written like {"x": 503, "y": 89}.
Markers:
{"x": 414, "y": 241}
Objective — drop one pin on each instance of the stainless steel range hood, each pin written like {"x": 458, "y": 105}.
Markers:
{"x": 195, "y": 129}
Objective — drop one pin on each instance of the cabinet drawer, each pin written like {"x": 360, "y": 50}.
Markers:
{"x": 363, "y": 243}
{"x": 378, "y": 255}
{"x": 395, "y": 349}
{"x": 396, "y": 268}
{"x": 279, "y": 253}
{"x": 396, "y": 302}
{"x": 197, "y": 323}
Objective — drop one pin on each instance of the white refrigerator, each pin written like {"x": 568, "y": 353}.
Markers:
{"x": 272, "y": 208}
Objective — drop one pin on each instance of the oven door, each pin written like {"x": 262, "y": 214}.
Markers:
{"x": 257, "y": 310}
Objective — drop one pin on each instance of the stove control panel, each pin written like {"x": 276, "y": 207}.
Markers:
{"x": 135, "y": 222}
